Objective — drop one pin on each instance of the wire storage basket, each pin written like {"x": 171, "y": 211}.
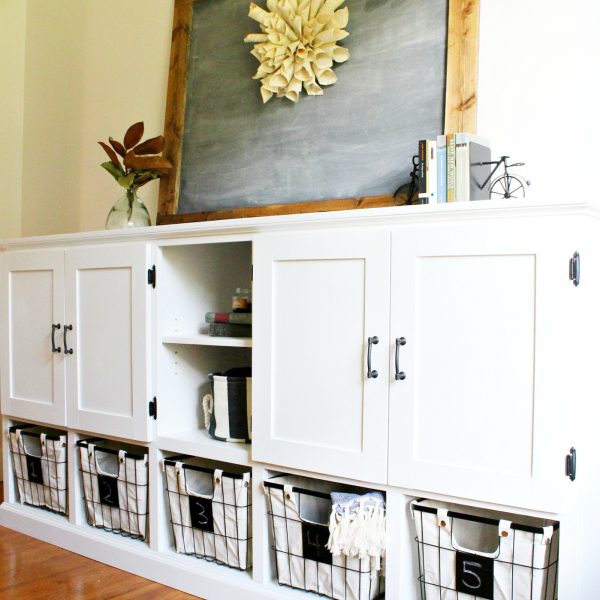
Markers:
{"x": 300, "y": 510}
{"x": 39, "y": 457}
{"x": 114, "y": 477}
{"x": 466, "y": 553}
{"x": 210, "y": 510}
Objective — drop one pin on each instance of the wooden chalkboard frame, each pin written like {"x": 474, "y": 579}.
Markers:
{"x": 460, "y": 114}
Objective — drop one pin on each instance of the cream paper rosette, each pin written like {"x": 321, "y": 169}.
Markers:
{"x": 298, "y": 45}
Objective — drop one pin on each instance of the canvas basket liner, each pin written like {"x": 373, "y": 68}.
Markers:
{"x": 226, "y": 538}
{"x": 127, "y": 511}
{"x": 295, "y": 500}
{"x": 49, "y": 450}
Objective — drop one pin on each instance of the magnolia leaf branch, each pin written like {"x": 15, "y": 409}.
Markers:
{"x": 140, "y": 163}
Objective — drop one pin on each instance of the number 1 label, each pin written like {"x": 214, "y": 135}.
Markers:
{"x": 34, "y": 469}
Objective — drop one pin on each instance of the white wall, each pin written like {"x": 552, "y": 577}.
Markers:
{"x": 92, "y": 67}
{"x": 538, "y": 86}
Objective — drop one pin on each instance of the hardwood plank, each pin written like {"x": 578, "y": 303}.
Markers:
{"x": 461, "y": 71}
{"x": 175, "y": 107}
{"x": 284, "y": 209}
{"x": 34, "y": 570}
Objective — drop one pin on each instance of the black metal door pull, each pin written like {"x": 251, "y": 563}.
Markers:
{"x": 54, "y": 328}
{"x": 371, "y": 373}
{"x": 67, "y": 328}
{"x": 400, "y": 375}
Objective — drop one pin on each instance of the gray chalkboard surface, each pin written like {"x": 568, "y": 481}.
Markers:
{"x": 355, "y": 140}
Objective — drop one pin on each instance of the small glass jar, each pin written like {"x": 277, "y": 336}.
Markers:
{"x": 240, "y": 302}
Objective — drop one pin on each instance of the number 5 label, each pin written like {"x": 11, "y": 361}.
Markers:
{"x": 475, "y": 575}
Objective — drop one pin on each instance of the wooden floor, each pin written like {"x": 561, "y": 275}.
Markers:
{"x": 32, "y": 570}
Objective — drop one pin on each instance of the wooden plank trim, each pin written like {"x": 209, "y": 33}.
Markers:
{"x": 461, "y": 68}
{"x": 285, "y": 209}
{"x": 175, "y": 108}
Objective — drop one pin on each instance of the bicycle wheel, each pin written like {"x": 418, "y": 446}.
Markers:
{"x": 507, "y": 186}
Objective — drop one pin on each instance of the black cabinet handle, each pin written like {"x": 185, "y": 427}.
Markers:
{"x": 571, "y": 464}
{"x": 400, "y": 375}
{"x": 67, "y": 328}
{"x": 54, "y": 328}
{"x": 371, "y": 373}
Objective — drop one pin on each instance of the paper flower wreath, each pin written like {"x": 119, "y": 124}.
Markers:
{"x": 297, "y": 46}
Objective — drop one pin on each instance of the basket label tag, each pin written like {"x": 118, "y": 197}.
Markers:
{"x": 314, "y": 541}
{"x": 34, "y": 469}
{"x": 109, "y": 492}
{"x": 201, "y": 513}
{"x": 475, "y": 575}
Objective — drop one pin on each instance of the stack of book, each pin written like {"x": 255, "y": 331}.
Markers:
{"x": 450, "y": 169}
{"x": 229, "y": 324}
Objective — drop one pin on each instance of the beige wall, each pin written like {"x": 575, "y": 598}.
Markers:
{"x": 125, "y": 69}
{"x": 52, "y": 116}
{"x": 73, "y": 72}
{"x": 12, "y": 75}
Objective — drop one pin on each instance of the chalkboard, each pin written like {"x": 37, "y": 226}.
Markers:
{"x": 231, "y": 151}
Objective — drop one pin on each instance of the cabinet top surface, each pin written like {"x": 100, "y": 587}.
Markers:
{"x": 373, "y": 217}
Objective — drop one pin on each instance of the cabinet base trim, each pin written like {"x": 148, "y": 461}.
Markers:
{"x": 204, "y": 580}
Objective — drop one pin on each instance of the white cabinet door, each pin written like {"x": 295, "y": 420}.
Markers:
{"x": 318, "y": 298}
{"x": 33, "y": 375}
{"x": 107, "y": 308}
{"x": 478, "y": 414}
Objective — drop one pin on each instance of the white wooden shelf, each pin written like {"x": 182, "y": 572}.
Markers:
{"x": 198, "y": 443}
{"x": 207, "y": 340}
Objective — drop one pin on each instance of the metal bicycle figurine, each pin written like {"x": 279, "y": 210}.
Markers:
{"x": 410, "y": 188}
{"x": 506, "y": 185}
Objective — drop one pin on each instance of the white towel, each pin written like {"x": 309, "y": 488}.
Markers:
{"x": 357, "y": 526}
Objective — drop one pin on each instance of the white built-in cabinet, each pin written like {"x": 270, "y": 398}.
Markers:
{"x": 321, "y": 296}
{"x": 481, "y": 310}
{"x": 437, "y": 352}
{"x": 33, "y": 306}
{"x": 460, "y": 354}
{"x": 76, "y": 338}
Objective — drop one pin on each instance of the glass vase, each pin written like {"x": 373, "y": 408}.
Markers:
{"x": 128, "y": 211}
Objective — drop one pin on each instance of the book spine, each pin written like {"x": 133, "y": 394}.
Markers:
{"x": 450, "y": 168}
{"x": 229, "y": 317}
{"x": 422, "y": 171}
{"x": 229, "y": 330}
{"x": 432, "y": 172}
{"x": 462, "y": 168}
{"x": 441, "y": 168}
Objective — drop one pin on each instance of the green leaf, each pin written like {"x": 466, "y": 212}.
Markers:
{"x": 144, "y": 177}
{"x": 126, "y": 180}
{"x": 115, "y": 171}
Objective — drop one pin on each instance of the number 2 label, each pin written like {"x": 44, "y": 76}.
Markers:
{"x": 475, "y": 575}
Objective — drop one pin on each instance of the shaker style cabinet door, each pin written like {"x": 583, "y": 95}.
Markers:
{"x": 477, "y": 412}
{"x": 317, "y": 300}
{"x": 107, "y": 350}
{"x": 33, "y": 376}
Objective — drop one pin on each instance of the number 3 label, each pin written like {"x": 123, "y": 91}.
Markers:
{"x": 475, "y": 575}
